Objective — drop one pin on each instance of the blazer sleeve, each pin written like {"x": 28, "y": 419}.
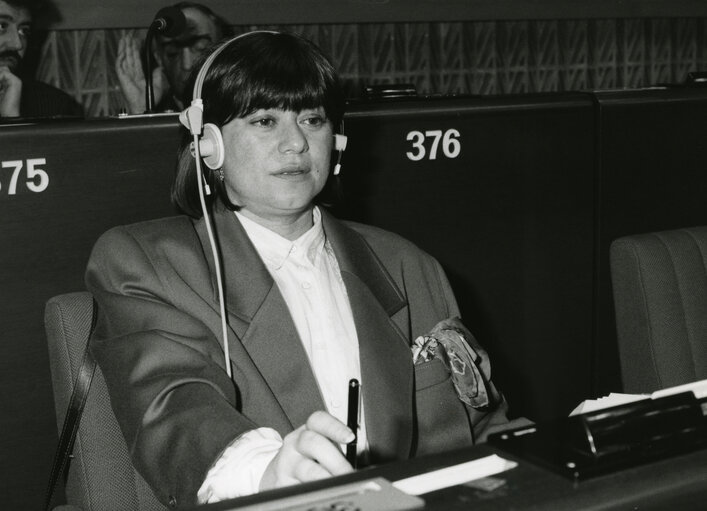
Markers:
{"x": 164, "y": 368}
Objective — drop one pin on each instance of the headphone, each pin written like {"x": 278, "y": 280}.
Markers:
{"x": 208, "y": 141}
{"x": 207, "y": 146}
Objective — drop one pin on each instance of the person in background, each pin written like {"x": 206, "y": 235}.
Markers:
{"x": 20, "y": 95}
{"x": 175, "y": 57}
{"x": 311, "y": 303}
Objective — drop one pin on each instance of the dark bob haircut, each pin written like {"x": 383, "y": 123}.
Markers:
{"x": 259, "y": 70}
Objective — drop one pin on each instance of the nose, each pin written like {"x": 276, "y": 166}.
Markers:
{"x": 292, "y": 138}
{"x": 14, "y": 41}
{"x": 187, "y": 59}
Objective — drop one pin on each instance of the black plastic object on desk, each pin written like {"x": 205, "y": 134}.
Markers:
{"x": 611, "y": 439}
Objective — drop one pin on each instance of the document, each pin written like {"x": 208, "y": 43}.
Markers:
{"x": 699, "y": 388}
{"x": 454, "y": 475}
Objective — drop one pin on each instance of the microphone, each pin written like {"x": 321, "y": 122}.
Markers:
{"x": 170, "y": 22}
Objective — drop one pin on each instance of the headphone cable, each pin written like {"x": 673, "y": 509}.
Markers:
{"x": 214, "y": 251}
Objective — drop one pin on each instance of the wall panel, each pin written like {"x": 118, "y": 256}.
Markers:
{"x": 455, "y": 57}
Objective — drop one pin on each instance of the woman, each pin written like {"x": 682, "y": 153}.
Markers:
{"x": 311, "y": 302}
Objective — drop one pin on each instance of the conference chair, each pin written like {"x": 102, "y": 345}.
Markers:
{"x": 660, "y": 297}
{"x": 101, "y": 476}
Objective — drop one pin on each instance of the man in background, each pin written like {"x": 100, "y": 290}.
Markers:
{"x": 175, "y": 57}
{"x": 22, "y": 96}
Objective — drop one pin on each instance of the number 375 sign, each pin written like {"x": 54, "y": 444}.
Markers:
{"x": 19, "y": 175}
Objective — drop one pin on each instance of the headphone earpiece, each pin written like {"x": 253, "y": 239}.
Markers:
{"x": 211, "y": 146}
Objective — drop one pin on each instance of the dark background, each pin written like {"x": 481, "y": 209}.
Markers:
{"x": 81, "y": 14}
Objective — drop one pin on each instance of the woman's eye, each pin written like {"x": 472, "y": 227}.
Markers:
{"x": 314, "y": 120}
{"x": 201, "y": 45}
{"x": 264, "y": 122}
{"x": 171, "y": 53}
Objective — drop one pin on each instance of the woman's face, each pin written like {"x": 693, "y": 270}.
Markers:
{"x": 276, "y": 161}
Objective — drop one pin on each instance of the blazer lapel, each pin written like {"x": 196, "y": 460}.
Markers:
{"x": 386, "y": 360}
{"x": 260, "y": 319}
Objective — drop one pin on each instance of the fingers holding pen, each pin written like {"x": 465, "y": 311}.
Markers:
{"x": 322, "y": 439}
{"x": 309, "y": 453}
{"x": 329, "y": 426}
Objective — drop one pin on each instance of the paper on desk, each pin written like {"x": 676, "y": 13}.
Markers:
{"x": 613, "y": 399}
{"x": 699, "y": 388}
{"x": 454, "y": 475}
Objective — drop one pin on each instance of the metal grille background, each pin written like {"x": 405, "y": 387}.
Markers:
{"x": 480, "y": 57}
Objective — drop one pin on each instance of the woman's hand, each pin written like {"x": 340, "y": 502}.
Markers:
{"x": 309, "y": 453}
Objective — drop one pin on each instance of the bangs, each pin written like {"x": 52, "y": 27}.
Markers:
{"x": 298, "y": 90}
{"x": 287, "y": 73}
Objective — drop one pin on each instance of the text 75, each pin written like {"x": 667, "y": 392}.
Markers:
{"x": 37, "y": 179}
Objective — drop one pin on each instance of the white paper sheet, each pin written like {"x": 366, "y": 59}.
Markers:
{"x": 454, "y": 475}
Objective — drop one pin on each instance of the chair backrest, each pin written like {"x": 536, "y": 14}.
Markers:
{"x": 101, "y": 476}
{"x": 660, "y": 296}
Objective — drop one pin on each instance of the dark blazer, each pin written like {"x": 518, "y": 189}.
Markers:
{"x": 158, "y": 344}
{"x": 43, "y": 100}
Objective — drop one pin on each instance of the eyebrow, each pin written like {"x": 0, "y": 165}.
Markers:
{"x": 10, "y": 18}
{"x": 188, "y": 41}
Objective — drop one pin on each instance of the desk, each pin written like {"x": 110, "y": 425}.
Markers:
{"x": 678, "y": 483}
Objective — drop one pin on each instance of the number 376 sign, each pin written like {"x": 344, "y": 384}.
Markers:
{"x": 433, "y": 143}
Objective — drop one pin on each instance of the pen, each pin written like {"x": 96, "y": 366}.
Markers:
{"x": 352, "y": 420}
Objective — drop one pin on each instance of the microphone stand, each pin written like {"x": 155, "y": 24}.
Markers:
{"x": 171, "y": 22}
{"x": 149, "y": 89}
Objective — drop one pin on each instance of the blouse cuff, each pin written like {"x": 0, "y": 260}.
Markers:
{"x": 239, "y": 469}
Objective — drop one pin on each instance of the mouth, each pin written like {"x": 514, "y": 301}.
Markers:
{"x": 10, "y": 61}
{"x": 292, "y": 171}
